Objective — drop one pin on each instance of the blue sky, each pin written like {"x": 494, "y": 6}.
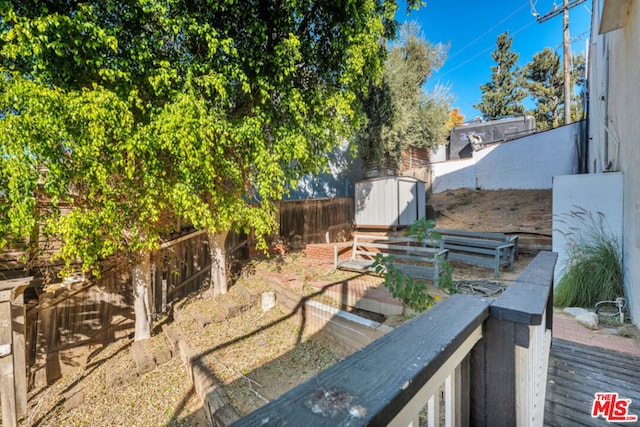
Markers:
{"x": 471, "y": 28}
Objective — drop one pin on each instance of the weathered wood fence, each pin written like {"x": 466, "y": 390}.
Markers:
{"x": 179, "y": 267}
{"x": 66, "y": 324}
{"x": 316, "y": 220}
{"x": 469, "y": 361}
{"x": 32, "y": 255}
{"x": 13, "y": 382}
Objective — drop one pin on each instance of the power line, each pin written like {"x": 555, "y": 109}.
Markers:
{"x": 573, "y": 40}
{"x": 558, "y": 10}
{"x": 457, "y": 67}
{"x": 488, "y": 31}
{"x": 534, "y": 12}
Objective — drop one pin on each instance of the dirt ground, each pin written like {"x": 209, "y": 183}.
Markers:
{"x": 255, "y": 355}
{"x": 505, "y": 211}
{"x": 526, "y": 212}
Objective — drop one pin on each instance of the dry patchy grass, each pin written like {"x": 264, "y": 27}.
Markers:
{"x": 256, "y": 356}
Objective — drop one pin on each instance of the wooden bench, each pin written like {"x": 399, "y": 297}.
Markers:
{"x": 410, "y": 256}
{"x": 491, "y": 250}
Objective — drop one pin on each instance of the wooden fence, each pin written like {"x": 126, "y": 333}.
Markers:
{"x": 316, "y": 220}
{"x": 64, "y": 325}
{"x": 67, "y": 323}
{"x": 179, "y": 267}
{"x": 32, "y": 255}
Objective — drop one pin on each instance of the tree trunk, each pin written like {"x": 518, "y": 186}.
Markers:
{"x": 218, "y": 283}
{"x": 141, "y": 278}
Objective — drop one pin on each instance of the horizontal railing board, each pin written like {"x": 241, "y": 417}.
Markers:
{"x": 470, "y": 241}
{"x": 396, "y": 256}
{"x": 396, "y": 247}
{"x": 372, "y": 385}
{"x": 470, "y": 233}
{"x": 526, "y": 300}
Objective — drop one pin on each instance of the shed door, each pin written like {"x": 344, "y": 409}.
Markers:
{"x": 407, "y": 202}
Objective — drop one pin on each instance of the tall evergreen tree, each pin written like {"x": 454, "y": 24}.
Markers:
{"x": 503, "y": 94}
{"x": 545, "y": 83}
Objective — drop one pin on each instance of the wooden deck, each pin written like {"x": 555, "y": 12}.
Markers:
{"x": 577, "y": 372}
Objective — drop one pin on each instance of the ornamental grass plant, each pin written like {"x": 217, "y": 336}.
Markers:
{"x": 594, "y": 265}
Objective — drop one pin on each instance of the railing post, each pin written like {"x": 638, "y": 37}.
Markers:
{"x": 7, "y": 379}
{"x": 507, "y": 368}
{"x": 19, "y": 357}
{"x": 493, "y": 379}
{"x": 13, "y": 379}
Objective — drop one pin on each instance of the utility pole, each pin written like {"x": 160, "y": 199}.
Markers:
{"x": 565, "y": 29}
{"x": 567, "y": 75}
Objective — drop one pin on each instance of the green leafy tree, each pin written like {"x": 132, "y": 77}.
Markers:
{"x": 138, "y": 111}
{"x": 503, "y": 94}
{"x": 399, "y": 112}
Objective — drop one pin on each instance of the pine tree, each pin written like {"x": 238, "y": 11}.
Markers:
{"x": 545, "y": 83}
{"x": 503, "y": 95}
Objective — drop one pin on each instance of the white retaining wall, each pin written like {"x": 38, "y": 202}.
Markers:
{"x": 526, "y": 163}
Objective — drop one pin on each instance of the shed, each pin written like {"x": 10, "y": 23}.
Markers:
{"x": 389, "y": 202}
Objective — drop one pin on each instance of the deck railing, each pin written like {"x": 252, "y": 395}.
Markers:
{"x": 467, "y": 361}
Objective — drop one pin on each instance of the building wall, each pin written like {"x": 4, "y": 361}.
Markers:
{"x": 526, "y": 163}
{"x": 463, "y": 138}
{"x": 344, "y": 169}
{"x": 623, "y": 129}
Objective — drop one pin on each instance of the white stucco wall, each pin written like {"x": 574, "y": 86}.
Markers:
{"x": 526, "y": 163}
{"x": 453, "y": 175}
{"x": 602, "y": 147}
{"x": 623, "y": 46}
{"x": 438, "y": 153}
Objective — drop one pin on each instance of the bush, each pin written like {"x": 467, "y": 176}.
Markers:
{"x": 415, "y": 293}
{"x": 594, "y": 266}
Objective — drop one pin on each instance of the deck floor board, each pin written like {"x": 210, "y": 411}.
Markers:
{"x": 577, "y": 372}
